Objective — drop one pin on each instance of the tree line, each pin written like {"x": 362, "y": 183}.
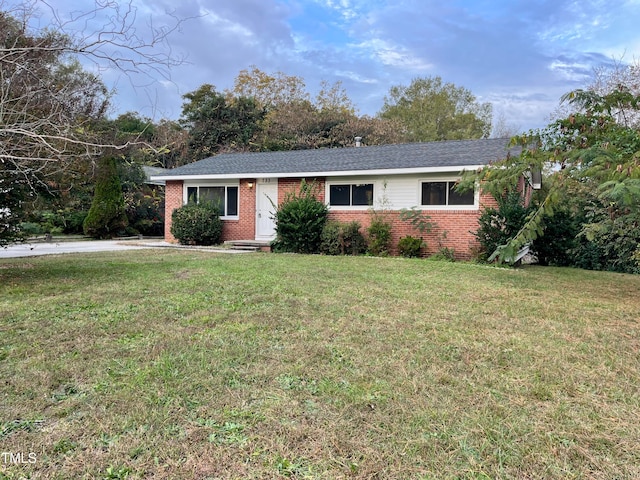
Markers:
{"x": 56, "y": 139}
{"x": 56, "y": 136}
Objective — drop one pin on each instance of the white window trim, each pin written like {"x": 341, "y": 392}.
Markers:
{"x": 185, "y": 195}
{"x": 338, "y": 208}
{"x": 476, "y": 195}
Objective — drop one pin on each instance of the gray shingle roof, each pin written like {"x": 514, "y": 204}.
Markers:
{"x": 456, "y": 153}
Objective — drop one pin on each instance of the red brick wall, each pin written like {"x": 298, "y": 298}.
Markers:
{"x": 245, "y": 227}
{"x": 172, "y": 200}
{"x": 459, "y": 224}
{"x": 242, "y": 229}
{"x": 292, "y": 185}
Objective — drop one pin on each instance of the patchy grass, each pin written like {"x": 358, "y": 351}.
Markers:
{"x": 174, "y": 364}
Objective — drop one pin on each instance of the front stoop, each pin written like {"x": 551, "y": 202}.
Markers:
{"x": 250, "y": 245}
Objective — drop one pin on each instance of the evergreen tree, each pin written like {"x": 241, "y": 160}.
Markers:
{"x": 107, "y": 214}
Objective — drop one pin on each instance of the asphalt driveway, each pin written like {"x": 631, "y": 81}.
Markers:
{"x": 86, "y": 246}
{"x": 53, "y": 248}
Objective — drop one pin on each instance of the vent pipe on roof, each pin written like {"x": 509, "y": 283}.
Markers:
{"x": 358, "y": 140}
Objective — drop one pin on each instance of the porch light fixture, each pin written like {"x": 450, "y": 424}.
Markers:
{"x": 250, "y": 185}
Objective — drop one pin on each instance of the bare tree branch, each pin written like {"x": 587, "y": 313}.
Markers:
{"x": 51, "y": 107}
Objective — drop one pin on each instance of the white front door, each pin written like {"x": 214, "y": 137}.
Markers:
{"x": 266, "y": 193}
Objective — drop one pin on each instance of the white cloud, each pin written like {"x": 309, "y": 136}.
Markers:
{"x": 572, "y": 72}
{"x": 356, "y": 77}
{"x": 225, "y": 26}
{"x": 392, "y": 55}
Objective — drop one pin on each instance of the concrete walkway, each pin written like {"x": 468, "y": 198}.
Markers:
{"x": 55, "y": 248}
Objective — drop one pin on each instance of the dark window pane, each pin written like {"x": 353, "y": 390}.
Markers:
{"x": 362, "y": 194}
{"x": 192, "y": 194}
{"x": 457, "y": 198}
{"x": 214, "y": 195}
{"x": 340, "y": 195}
{"x": 232, "y": 200}
{"x": 434, "y": 193}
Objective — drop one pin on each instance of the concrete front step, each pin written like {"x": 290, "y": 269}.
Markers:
{"x": 249, "y": 245}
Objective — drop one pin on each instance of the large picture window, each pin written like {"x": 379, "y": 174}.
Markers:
{"x": 356, "y": 194}
{"x": 445, "y": 194}
{"x": 225, "y": 197}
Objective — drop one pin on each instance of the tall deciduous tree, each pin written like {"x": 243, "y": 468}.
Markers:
{"x": 334, "y": 98}
{"x": 48, "y": 102}
{"x": 432, "y": 110}
{"x": 294, "y": 120}
{"x": 217, "y": 122}
{"x": 174, "y": 142}
{"x": 269, "y": 90}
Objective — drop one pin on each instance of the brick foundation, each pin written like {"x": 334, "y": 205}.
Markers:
{"x": 458, "y": 225}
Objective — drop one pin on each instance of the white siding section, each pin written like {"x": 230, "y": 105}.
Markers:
{"x": 396, "y": 192}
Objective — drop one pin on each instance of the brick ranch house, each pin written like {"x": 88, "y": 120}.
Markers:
{"x": 352, "y": 181}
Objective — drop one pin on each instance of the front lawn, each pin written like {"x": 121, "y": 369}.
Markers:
{"x": 189, "y": 365}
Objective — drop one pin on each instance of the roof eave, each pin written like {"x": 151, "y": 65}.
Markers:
{"x": 332, "y": 173}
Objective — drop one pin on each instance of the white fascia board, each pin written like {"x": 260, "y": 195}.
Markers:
{"x": 333, "y": 173}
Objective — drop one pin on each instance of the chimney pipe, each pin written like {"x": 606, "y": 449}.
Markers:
{"x": 358, "y": 140}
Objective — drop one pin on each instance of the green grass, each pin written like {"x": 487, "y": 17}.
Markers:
{"x": 179, "y": 364}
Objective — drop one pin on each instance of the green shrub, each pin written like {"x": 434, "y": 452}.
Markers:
{"x": 559, "y": 240}
{"x": 300, "y": 219}
{"x": 13, "y": 192}
{"x": 53, "y": 222}
{"x": 444, "y": 253}
{"x": 68, "y": 220}
{"x": 197, "y": 224}
{"x": 342, "y": 239}
{"x": 410, "y": 246}
{"x": 31, "y": 228}
{"x": 610, "y": 241}
{"x": 379, "y": 232}
{"x": 106, "y": 217}
{"x": 145, "y": 210}
{"x": 73, "y": 221}
{"x": 498, "y": 225}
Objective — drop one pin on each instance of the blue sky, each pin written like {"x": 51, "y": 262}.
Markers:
{"x": 521, "y": 56}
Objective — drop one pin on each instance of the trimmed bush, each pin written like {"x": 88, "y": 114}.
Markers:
{"x": 300, "y": 219}
{"x": 342, "y": 239}
{"x": 197, "y": 224}
{"x": 410, "y": 246}
{"x": 106, "y": 217}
